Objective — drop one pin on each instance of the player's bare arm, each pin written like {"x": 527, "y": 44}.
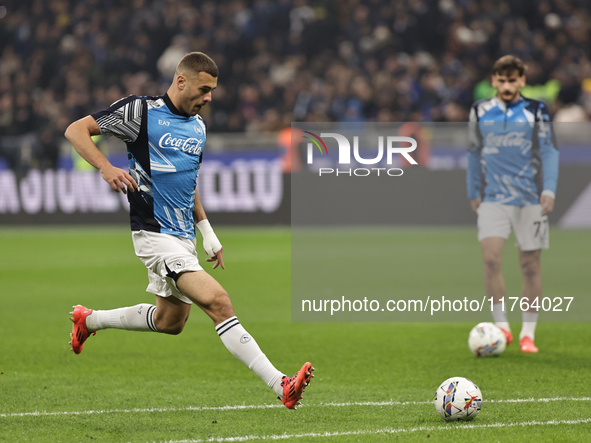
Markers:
{"x": 475, "y": 203}
{"x": 211, "y": 244}
{"x": 79, "y": 134}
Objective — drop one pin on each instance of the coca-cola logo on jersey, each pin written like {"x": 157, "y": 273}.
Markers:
{"x": 511, "y": 139}
{"x": 190, "y": 145}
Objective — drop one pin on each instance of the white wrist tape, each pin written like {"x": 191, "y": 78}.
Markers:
{"x": 549, "y": 193}
{"x": 211, "y": 244}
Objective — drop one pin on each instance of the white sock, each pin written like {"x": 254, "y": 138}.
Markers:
{"x": 528, "y": 328}
{"x": 500, "y": 316}
{"x": 245, "y": 348}
{"x": 134, "y": 318}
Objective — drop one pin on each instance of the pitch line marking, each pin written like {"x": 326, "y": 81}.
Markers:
{"x": 385, "y": 431}
{"x": 248, "y": 407}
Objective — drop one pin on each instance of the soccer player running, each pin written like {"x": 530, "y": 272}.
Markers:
{"x": 511, "y": 180}
{"x": 165, "y": 138}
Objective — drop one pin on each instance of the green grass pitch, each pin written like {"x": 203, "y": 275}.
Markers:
{"x": 374, "y": 381}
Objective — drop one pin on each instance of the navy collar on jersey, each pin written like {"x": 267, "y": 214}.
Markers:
{"x": 505, "y": 105}
{"x": 172, "y": 107}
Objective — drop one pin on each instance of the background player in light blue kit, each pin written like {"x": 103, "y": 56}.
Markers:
{"x": 511, "y": 180}
{"x": 165, "y": 139}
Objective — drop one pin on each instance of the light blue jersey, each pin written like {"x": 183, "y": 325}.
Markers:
{"x": 164, "y": 150}
{"x": 512, "y": 155}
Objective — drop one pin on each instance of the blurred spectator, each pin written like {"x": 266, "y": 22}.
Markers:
{"x": 171, "y": 56}
{"x": 377, "y": 60}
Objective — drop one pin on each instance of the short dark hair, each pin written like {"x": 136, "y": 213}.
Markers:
{"x": 196, "y": 62}
{"x": 508, "y": 64}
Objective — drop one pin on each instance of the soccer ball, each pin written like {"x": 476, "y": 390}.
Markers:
{"x": 486, "y": 339}
{"x": 458, "y": 398}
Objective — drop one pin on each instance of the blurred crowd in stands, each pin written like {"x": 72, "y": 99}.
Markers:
{"x": 282, "y": 61}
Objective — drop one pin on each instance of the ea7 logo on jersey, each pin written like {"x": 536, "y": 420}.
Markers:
{"x": 190, "y": 145}
{"x": 163, "y": 123}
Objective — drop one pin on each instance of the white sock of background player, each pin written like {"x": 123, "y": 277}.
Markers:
{"x": 500, "y": 316}
{"x": 528, "y": 327}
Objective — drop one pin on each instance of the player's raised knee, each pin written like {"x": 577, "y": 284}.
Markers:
{"x": 220, "y": 307}
{"x": 221, "y": 301}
